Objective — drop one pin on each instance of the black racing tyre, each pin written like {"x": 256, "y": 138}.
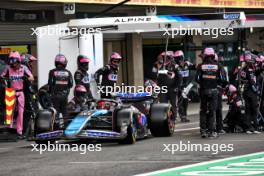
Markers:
{"x": 124, "y": 120}
{"x": 43, "y": 123}
{"x": 162, "y": 121}
{"x": 131, "y": 136}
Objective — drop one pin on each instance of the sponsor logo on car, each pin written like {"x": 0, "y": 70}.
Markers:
{"x": 231, "y": 16}
{"x": 99, "y": 134}
{"x": 50, "y": 135}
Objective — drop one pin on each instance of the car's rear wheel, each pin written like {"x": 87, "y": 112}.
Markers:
{"x": 162, "y": 121}
{"x": 44, "y": 123}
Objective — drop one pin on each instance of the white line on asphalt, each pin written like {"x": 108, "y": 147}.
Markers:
{"x": 186, "y": 124}
{"x": 129, "y": 162}
{"x": 3, "y": 148}
{"x": 197, "y": 164}
{"x": 186, "y": 129}
{"x": 244, "y": 140}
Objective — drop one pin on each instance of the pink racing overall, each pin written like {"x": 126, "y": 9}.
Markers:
{"x": 16, "y": 77}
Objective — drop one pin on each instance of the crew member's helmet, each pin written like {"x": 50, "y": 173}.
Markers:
{"x": 230, "y": 90}
{"x": 80, "y": 91}
{"x": 178, "y": 56}
{"x": 14, "y": 59}
{"x": 169, "y": 57}
{"x": 83, "y": 62}
{"x": 260, "y": 59}
{"x": 115, "y": 59}
{"x": 209, "y": 53}
{"x": 60, "y": 59}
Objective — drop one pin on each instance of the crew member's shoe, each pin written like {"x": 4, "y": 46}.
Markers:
{"x": 20, "y": 137}
{"x": 256, "y": 132}
{"x": 185, "y": 120}
{"x": 203, "y": 134}
{"x": 248, "y": 132}
{"x": 212, "y": 135}
{"x": 220, "y": 132}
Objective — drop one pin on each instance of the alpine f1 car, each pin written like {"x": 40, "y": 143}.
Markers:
{"x": 125, "y": 118}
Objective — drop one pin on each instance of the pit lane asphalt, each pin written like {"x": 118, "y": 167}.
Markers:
{"x": 114, "y": 160}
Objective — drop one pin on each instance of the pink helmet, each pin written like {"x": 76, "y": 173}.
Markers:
{"x": 168, "y": 53}
{"x": 85, "y": 60}
{"x": 79, "y": 90}
{"x": 60, "y": 59}
{"x": 248, "y": 58}
{"x": 178, "y": 57}
{"x": 209, "y": 52}
{"x": 115, "y": 56}
{"x": 15, "y": 54}
{"x": 163, "y": 54}
{"x": 232, "y": 88}
{"x": 14, "y": 59}
{"x": 241, "y": 58}
{"x": 260, "y": 59}
{"x": 178, "y": 53}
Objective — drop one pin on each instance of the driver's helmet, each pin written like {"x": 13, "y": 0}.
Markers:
{"x": 104, "y": 104}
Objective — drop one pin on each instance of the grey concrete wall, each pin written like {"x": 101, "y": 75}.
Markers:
{"x": 135, "y": 59}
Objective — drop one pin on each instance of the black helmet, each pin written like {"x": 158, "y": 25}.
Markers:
{"x": 83, "y": 62}
{"x": 60, "y": 59}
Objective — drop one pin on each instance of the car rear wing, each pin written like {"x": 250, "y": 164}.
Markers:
{"x": 133, "y": 97}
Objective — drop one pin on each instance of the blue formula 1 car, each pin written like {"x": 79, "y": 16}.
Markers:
{"x": 125, "y": 118}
